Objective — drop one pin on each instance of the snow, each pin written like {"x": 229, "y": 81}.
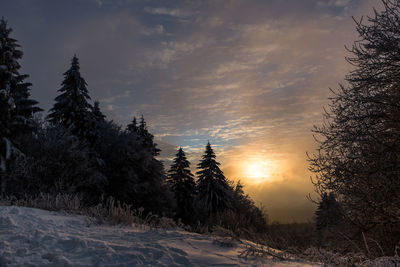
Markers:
{"x": 33, "y": 237}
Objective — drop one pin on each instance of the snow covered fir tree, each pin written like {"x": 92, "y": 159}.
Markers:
{"x": 72, "y": 109}
{"x": 16, "y": 106}
{"x": 183, "y": 186}
{"x": 214, "y": 194}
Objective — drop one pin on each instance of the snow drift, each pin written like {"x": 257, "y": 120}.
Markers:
{"x": 34, "y": 237}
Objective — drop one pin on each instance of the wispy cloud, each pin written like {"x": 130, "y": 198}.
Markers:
{"x": 335, "y": 3}
{"x": 174, "y": 12}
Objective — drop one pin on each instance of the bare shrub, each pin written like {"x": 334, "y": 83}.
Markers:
{"x": 265, "y": 252}
{"x": 294, "y": 237}
{"x": 225, "y": 237}
{"x": 114, "y": 212}
{"x": 333, "y": 258}
{"x": 350, "y": 259}
{"x": 71, "y": 203}
{"x": 108, "y": 211}
{"x": 198, "y": 228}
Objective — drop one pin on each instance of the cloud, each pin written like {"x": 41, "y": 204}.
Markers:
{"x": 174, "y": 12}
{"x": 159, "y": 29}
{"x": 335, "y": 3}
{"x": 99, "y": 3}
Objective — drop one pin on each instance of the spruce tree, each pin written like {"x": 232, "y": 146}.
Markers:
{"x": 142, "y": 125}
{"x": 98, "y": 115}
{"x": 72, "y": 109}
{"x": 328, "y": 212}
{"x": 183, "y": 186}
{"x": 146, "y": 137}
{"x": 134, "y": 175}
{"x": 214, "y": 192}
{"x": 132, "y": 127}
{"x": 243, "y": 213}
{"x": 16, "y": 107}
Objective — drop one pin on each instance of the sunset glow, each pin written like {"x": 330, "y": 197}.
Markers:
{"x": 257, "y": 171}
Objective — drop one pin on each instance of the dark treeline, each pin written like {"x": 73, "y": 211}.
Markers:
{"x": 77, "y": 150}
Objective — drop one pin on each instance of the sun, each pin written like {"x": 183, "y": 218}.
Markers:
{"x": 257, "y": 170}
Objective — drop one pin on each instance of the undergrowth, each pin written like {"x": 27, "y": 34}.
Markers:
{"x": 108, "y": 211}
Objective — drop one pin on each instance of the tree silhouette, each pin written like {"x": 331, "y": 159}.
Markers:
{"x": 214, "y": 193}
{"x": 328, "y": 212}
{"x": 98, "y": 115}
{"x": 72, "y": 109}
{"x": 16, "y": 107}
{"x": 183, "y": 185}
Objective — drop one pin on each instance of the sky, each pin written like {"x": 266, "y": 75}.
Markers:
{"x": 250, "y": 77}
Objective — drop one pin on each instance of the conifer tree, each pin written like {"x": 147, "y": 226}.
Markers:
{"x": 98, "y": 115}
{"x": 214, "y": 192}
{"x": 16, "y": 107}
{"x": 328, "y": 212}
{"x": 142, "y": 124}
{"x": 134, "y": 175}
{"x": 146, "y": 137}
{"x": 183, "y": 186}
{"x": 243, "y": 213}
{"x": 132, "y": 127}
{"x": 72, "y": 109}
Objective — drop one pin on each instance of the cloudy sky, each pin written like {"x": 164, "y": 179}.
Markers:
{"x": 251, "y": 77}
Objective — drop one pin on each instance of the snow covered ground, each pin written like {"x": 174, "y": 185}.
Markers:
{"x": 34, "y": 237}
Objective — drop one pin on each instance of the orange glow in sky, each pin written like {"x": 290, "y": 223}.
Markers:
{"x": 257, "y": 170}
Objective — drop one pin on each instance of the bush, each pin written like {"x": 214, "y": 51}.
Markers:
{"x": 294, "y": 237}
{"x": 54, "y": 162}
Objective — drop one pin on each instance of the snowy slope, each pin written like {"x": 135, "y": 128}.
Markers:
{"x": 33, "y": 237}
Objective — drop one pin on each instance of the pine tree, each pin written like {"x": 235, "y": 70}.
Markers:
{"x": 72, "y": 109}
{"x": 183, "y": 186}
{"x": 146, "y": 137}
{"x": 142, "y": 125}
{"x": 328, "y": 212}
{"x": 242, "y": 213}
{"x": 132, "y": 127}
{"x": 134, "y": 175}
{"x": 16, "y": 108}
{"x": 214, "y": 192}
{"x": 98, "y": 115}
